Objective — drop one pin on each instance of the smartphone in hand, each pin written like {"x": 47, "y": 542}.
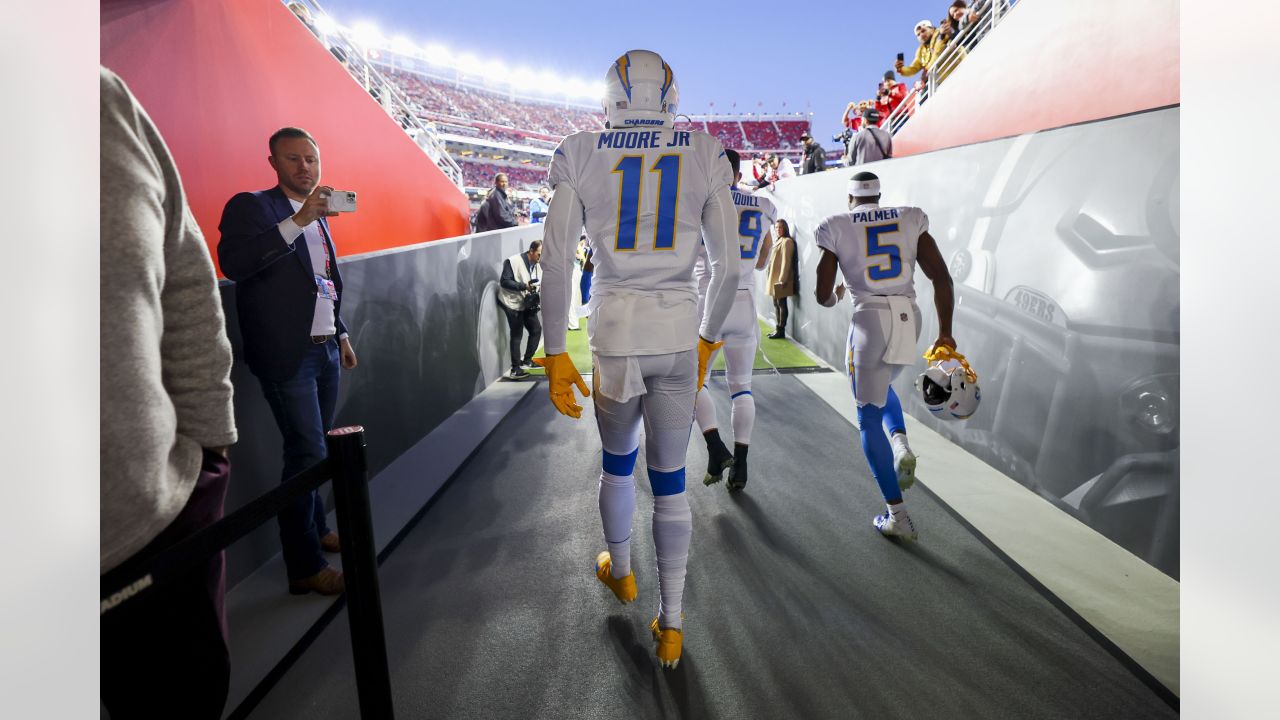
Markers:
{"x": 901, "y": 58}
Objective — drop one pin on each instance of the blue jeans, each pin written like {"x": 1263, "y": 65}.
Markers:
{"x": 303, "y": 407}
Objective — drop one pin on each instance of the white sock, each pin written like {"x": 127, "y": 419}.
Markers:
{"x": 617, "y": 505}
{"x": 899, "y": 508}
{"x": 744, "y": 417}
{"x": 672, "y": 531}
{"x": 900, "y": 445}
{"x": 705, "y": 410}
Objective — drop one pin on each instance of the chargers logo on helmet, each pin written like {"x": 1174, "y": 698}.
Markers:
{"x": 949, "y": 393}
{"x": 640, "y": 90}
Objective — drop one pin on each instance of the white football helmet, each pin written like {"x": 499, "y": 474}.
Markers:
{"x": 640, "y": 91}
{"x": 949, "y": 391}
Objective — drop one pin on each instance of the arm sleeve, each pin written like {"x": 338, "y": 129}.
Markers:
{"x": 251, "y": 239}
{"x": 508, "y": 279}
{"x": 196, "y": 352}
{"x": 563, "y": 228}
{"x": 916, "y": 65}
{"x": 482, "y": 215}
{"x": 183, "y": 306}
{"x": 719, "y": 228}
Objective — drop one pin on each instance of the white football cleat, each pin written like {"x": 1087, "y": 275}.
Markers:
{"x": 899, "y": 525}
{"x": 904, "y": 462}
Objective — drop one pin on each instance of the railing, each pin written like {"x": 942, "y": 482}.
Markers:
{"x": 346, "y": 466}
{"x": 993, "y": 13}
{"x": 392, "y": 98}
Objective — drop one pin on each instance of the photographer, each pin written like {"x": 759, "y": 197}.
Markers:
{"x": 872, "y": 142}
{"x": 520, "y": 301}
{"x": 815, "y": 158}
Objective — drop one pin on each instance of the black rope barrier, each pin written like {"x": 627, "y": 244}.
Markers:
{"x": 347, "y": 467}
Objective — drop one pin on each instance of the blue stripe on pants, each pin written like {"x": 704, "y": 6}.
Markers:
{"x": 666, "y": 483}
{"x": 619, "y": 465}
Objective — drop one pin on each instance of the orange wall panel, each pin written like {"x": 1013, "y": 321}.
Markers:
{"x": 218, "y": 78}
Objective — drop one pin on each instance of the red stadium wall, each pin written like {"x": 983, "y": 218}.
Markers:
{"x": 218, "y": 78}
{"x": 1050, "y": 64}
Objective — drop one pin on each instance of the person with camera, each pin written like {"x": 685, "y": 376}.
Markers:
{"x": 891, "y": 95}
{"x": 872, "y": 142}
{"x": 519, "y": 298}
{"x": 277, "y": 247}
{"x": 931, "y": 46}
{"x": 815, "y": 158}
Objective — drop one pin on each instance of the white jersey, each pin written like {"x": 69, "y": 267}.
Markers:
{"x": 876, "y": 247}
{"x": 756, "y": 216}
{"x": 644, "y": 193}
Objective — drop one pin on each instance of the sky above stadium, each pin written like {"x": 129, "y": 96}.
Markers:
{"x": 728, "y": 57}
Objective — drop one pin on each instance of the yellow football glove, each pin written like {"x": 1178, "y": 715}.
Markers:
{"x": 561, "y": 377}
{"x": 942, "y": 353}
{"x": 705, "y": 348}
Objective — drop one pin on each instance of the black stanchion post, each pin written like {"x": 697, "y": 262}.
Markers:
{"x": 360, "y": 571}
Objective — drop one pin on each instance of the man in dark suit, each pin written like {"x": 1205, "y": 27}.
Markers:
{"x": 277, "y": 248}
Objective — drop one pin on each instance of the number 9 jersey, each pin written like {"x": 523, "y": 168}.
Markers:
{"x": 876, "y": 247}
{"x": 644, "y": 192}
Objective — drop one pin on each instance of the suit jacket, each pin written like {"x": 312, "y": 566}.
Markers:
{"x": 275, "y": 286}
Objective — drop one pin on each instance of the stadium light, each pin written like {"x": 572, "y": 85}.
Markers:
{"x": 437, "y": 54}
{"x": 367, "y": 34}
{"x": 404, "y": 46}
{"x": 326, "y": 24}
{"x": 470, "y": 64}
{"x": 496, "y": 70}
{"x": 524, "y": 78}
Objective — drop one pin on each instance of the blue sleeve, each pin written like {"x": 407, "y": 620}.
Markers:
{"x": 250, "y": 240}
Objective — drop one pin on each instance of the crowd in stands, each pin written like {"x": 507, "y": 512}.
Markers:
{"x": 524, "y": 118}
{"x": 942, "y": 47}
{"x": 521, "y": 177}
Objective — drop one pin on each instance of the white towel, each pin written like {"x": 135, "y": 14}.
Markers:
{"x": 900, "y": 346}
{"x": 618, "y": 377}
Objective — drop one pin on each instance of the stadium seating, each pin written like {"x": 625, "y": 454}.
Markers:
{"x": 789, "y": 131}
{"x": 471, "y": 112}
{"x": 522, "y": 177}
{"x": 730, "y": 133}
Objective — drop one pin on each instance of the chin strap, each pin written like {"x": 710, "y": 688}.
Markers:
{"x": 943, "y": 353}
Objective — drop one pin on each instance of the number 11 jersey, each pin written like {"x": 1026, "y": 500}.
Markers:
{"x": 643, "y": 192}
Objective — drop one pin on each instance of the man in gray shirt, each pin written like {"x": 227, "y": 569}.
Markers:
{"x": 871, "y": 143}
{"x": 166, "y": 421}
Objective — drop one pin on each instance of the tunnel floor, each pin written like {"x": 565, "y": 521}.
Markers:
{"x": 795, "y": 606}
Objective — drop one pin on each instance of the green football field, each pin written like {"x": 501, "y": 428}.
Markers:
{"x": 770, "y": 354}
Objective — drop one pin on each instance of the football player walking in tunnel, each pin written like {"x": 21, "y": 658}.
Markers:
{"x": 646, "y": 193}
{"x": 756, "y": 215}
{"x": 876, "y": 249}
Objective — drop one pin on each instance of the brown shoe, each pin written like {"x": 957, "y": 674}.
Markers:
{"x": 326, "y": 582}
{"x": 329, "y": 543}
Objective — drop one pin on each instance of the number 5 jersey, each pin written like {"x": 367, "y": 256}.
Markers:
{"x": 876, "y": 247}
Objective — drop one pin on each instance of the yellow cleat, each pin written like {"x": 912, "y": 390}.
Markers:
{"x": 670, "y": 642}
{"x": 623, "y": 588}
